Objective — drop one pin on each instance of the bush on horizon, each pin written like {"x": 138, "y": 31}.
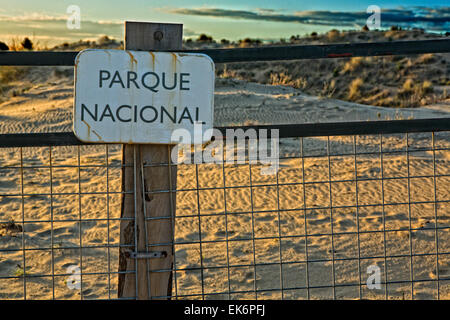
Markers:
{"x": 27, "y": 44}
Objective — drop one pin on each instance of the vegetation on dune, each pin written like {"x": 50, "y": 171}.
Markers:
{"x": 18, "y": 44}
{"x": 393, "y": 81}
{"x": 376, "y": 81}
{"x": 249, "y": 42}
{"x": 204, "y": 38}
{"x": 283, "y": 79}
{"x": 354, "y": 90}
{"x": 9, "y": 74}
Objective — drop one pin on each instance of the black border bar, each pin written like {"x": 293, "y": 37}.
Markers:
{"x": 285, "y": 131}
{"x": 264, "y": 53}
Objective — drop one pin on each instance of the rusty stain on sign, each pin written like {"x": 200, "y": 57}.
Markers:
{"x": 89, "y": 131}
{"x": 133, "y": 60}
{"x": 123, "y": 97}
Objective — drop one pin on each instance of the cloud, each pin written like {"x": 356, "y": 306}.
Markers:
{"x": 428, "y": 18}
{"x": 54, "y": 29}
{"x": 265, "y": 10}
{"x": 189, "y": 32}
{"x": 35, "y": 16}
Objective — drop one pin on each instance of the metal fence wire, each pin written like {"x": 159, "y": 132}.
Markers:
{"x": 355, "y": 211}
{"x": 344, "y": 217}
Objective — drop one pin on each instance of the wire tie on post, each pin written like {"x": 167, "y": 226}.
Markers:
{"x": 147, "y": 255}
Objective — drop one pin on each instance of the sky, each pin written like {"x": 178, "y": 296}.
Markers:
{"x": 45, "y": 21}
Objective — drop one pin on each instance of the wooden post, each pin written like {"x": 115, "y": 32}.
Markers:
{"x": 141, "y": 174}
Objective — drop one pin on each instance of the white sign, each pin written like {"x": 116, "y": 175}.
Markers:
{"x": 141, "y": 97}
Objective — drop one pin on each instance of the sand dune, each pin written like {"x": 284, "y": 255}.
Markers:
{"x": 275, "y": 216}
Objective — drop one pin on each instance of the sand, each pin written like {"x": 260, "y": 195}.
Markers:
{"x": 277, "y": 214}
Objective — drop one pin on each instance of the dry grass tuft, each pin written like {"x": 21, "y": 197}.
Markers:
{"x": 353, "y": 64}
{"x": 395, "y": 34}
{"x": 228, "y": 74}
{"x": 412, "y": 94}
{"x": 16, "y": 44}
{"x": 354, "y": 89}
{"x": 283, "y": 79}
{"x": 11, "y": 73}
{"x": 426, "y": 58}
{"x": 328, "y": 89}
{"x": 408, "y": 85}
{"x": 333, "y": 35}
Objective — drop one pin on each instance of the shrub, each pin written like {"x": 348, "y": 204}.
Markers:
{"x": 426, "y": 58}
{"x": 353, "y": 64}
{"x": 427, "y": 87}
{"x": 355, "y": 89}
{"x": 11, "y": 73}
{"x": 328, "y": 89}
{"x": 103, "y": 40}
{"x": 410, "y": 94}
{"x": 27, "y": 44}
{"x": 335, "y": 72}
{"x": 408, "y": 85}
{"x": 3, "y": 46}
{"x": 333, "y": 35}
{"x": 204, "y": 38}
{"x": 248, "y": 42}
{"x": 19, "y": 272}
{"x": 227, "y": 74}
{"x": 283, "y": 79}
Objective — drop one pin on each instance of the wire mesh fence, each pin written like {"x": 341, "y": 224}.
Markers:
{"x": 344, "y": 217}
{"x": 59, "y": 213}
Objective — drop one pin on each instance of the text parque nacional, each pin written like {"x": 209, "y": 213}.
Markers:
{"x": 124, "y": 96}
{"x": 114, "y": 79}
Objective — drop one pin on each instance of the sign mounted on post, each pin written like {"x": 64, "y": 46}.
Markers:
{"x": 141, "y": 97}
